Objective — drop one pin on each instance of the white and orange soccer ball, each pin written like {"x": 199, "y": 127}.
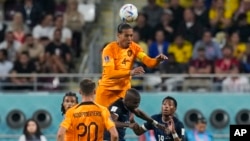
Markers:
{"x": 128, "y": 13}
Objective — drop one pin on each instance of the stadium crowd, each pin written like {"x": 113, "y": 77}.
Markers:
{"x": 39, "y": 36}
{"x": 199, "y": 37}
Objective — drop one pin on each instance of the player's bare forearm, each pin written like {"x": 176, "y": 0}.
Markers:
{"x": 139, "y": 131}
{"x": 60, "y": 134}
{"x": 143, "y": 115}
{"x": 121, "y": 124}
{"x": 113, "y": 134}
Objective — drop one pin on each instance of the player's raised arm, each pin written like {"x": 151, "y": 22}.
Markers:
{"x": 148, "y": 61}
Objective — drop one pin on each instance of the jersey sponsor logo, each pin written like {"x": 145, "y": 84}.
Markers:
{"x": 114, "y": 109}
{"x": 106, "y": 59}
{"x": 129, "y": 52}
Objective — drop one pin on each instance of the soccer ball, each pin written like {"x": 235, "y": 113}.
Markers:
{"x": 128, "y": 13}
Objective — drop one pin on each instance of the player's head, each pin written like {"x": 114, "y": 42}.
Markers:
{"x": 201, "y": 125}
{"x": 87, "y": 88}
{"x": 132, "y": 99}
{"x": 169, "y": 105}
{"x": 69, "y": 100}
{"x": 124, "y": 34}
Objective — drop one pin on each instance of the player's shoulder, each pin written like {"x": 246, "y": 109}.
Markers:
{"x": 110, "y": 46}
{"x": 117, "y": 103}
{"x": 102, "y": 108}
{"x": 177, "y": 121}
{"x": 134, "y": 45}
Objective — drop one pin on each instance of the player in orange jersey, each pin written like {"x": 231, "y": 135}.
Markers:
{"x": 117, "y": 60}
{"x": 88, "y": 120}
{"x": 69, "y": 100}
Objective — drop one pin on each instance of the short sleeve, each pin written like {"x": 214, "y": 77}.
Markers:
{"x": 107, "y": 57}
{"x": 67, "y": 120}
{"x": 181, "y": 131}
{"x": 115, "y": 110}
{"x": 107, "y": 119}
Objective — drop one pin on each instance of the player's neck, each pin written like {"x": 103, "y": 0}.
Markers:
{"x": 120, "y": 45}
{"x": 87, "y": 98}
{"x": 165, "y": 119}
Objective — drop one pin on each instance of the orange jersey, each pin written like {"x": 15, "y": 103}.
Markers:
{"x": 86, "y": 121}
{"x": 117, "y": 63}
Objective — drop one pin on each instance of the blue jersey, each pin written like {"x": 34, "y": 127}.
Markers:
{"x": 161, "y": 135}
{"x": 118, "y": 108}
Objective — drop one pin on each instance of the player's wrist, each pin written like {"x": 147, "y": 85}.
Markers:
{"x": 175, "y": 135}
{"x": 155, "y": 123}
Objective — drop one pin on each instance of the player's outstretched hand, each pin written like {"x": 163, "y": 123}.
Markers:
{"x": 161, "y": 57}
{"x": 131, "y": 118}
{"x": 171, "y": 125}
{"x": 137, "y": 71}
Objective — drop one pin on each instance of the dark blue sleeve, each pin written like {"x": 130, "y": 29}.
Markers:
{"x": 180, "y": 130}
{"x": 148, "y": 125}
{"x": 115, "y": 109}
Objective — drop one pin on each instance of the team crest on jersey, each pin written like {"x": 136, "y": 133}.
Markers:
{"x": 106, "y": 59}
{"x": 129, "y": 52}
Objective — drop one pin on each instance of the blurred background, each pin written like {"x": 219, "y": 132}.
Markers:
{"x": 48, "y": 46}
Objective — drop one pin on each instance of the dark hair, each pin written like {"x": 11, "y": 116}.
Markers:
{"x": 5, "y": 52}
{"x": 134, "y": 92}
{"x": 227, "y": 47}
{"x": 201, "y": 120}
{"x": 25, "y": 53}
{"x": 87, "y": 87}
{"x": 67, "y": 94}
{"x": 37, "y": 133}
{"x": 170, "y": 98}
{"x": 123, "y": 26}
{"x": 58, "y": 16}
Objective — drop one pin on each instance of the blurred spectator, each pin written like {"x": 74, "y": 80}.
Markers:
{"x": 3, "y": 27}
{"x": 242, "y": 27}
{"x": 221, "y": 39}
{"x": 44, "y": 28}
{"x": 18, "y": 27}
{"x": 47, "y": 6}
{"x": 177, "y": 10}
{"x": 212, "y": 49}
{"x": 32, "y": 132}
{"x": 186, "y": 3}
{"x": 199, "y": 132}
{"x": 235, "y": 84}
{"x": 166, "y": 25}
{"x": 153, "y": 13}
{"x": 220, "y": 17}
{"x": 181, "y": 49}
{"x": 59, "y": 54}
{"x": 10, "y": 7}
{"x": 5, "y": 65}
{"x": 144, "y": 29}
{"x": 159, "y": 46}
{"x": 74, "y": 20}
{"x": 34, "y": 49}
{"x": 23, "y": 66}
{"x": 199, "y": 66}
{"x": 171, "y": 67}
{"x": 190, "y": 28}
{"x": 244, "y": 9}
{"x": 227, "y": 65}
{"x": 239, "y": 48}
{"x": 137, "y": 39}
{"x": 245, "y": 62}
{"x": 66, "y": 33}
{"x": 32, "y": 12}
{"x": 201, "y": 12}
{"x": 11, "y": 45}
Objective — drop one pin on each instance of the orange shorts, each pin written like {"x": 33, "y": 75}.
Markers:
{"x": 106, "y": 97}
